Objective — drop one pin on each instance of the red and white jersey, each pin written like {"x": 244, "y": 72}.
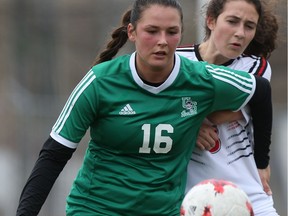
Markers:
{"x": 232, "y": 157}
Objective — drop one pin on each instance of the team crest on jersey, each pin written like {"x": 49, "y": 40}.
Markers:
{"x": 189, "y": 106}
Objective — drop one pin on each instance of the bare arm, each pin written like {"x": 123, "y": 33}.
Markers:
{"x": 221, "y": 117}
{"x": 265, "y": 179}
{"x": 207, "y": 135}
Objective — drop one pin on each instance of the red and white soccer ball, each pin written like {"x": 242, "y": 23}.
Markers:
{"x": 214, "y": 197}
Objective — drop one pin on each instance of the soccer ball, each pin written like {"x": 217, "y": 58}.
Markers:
{"x": 214, "y": 197}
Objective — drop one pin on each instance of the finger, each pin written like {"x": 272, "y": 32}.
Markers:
{"x": 203, "y": 144}
{"x": 200, "y": 146}
{"x": 267, "y": 189}
{"x": 214, "y": 135}
{"x": 206, "y": 140}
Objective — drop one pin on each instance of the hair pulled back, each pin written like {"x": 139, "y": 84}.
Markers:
{"x": 264, "y": 41}
{"x": 119, "y": 35}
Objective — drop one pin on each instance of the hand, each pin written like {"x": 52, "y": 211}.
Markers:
{"x": 182, "y": 211}
{"x": 265, "y": 179}
{"x": 207, "y": 137}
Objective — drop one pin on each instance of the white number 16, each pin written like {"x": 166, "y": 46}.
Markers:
{"x": 165, "y": 141}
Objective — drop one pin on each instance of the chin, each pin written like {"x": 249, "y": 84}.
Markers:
{"x": 159, "y": 64}
{"x": 233, "y": 55}
{"x": 158, "y": 67}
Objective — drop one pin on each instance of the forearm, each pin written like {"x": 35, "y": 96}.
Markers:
{"x": 261, "y": 112}
{"x": 224, "y": 116}
{"x": 52, "y": 159}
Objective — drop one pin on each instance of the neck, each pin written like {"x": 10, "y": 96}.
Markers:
{"x": 210, "y": 54}
{"x": 152, "y": 84}
{"x": 153, "y": 75}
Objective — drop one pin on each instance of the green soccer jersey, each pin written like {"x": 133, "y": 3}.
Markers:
{"x": 141, "y": 136}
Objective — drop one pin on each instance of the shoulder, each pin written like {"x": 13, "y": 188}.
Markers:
{"x": 253, "y": 64}
{"x": 186, "y": 48}
{"x": 195, "y": 70}
{"x": 188, "y": 51}
{"x": 252, "y": 59}
{"x": 114, "y": 66}
{"x": 188, "y": 65}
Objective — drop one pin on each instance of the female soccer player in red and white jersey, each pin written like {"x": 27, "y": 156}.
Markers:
{"x": 144, "y": 111}
{"x": 240, "y": 34}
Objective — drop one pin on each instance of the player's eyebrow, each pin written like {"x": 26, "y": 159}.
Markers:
{"x": 250, "y": 22}
{"x": 170, "y": 27}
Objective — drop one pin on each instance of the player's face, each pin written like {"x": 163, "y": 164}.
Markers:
{"x": 156, "y": 37}
{"x": 234, "y": 28}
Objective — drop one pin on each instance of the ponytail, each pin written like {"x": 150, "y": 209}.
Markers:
{"x": 119, "y": 38}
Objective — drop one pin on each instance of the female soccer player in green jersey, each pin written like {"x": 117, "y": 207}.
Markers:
{"x": 144, "y": 112}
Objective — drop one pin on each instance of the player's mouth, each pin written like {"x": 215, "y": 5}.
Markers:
{"x": 160, "y": 53}
{"x": 236, "y": 45}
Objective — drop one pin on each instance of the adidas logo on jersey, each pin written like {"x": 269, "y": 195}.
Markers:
{"x": 127, "y": 110}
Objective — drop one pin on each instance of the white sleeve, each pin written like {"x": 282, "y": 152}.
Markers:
{"x": 246, "y": 114}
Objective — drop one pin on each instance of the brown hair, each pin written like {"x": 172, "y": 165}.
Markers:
{"x": 264, "y": 41}
{"x": 119, "y": 36}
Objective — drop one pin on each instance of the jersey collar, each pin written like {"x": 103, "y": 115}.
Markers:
{"x": 153, "y": 89}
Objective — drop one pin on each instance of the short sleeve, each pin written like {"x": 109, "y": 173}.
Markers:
{"x": 233, "y": 89}
{"x": 78, "y": 113}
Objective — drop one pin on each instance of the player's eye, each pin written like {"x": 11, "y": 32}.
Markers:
{"x": 251, "y": 26}
{"x": 151, "y": 30}
{"x": 232, "y": 22}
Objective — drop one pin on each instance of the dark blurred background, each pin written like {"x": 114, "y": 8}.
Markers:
{"x": 46, "y": 47}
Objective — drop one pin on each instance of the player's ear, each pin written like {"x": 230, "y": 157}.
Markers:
{"x": 210, "y": 22}
{"x": 131, "y": 32}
